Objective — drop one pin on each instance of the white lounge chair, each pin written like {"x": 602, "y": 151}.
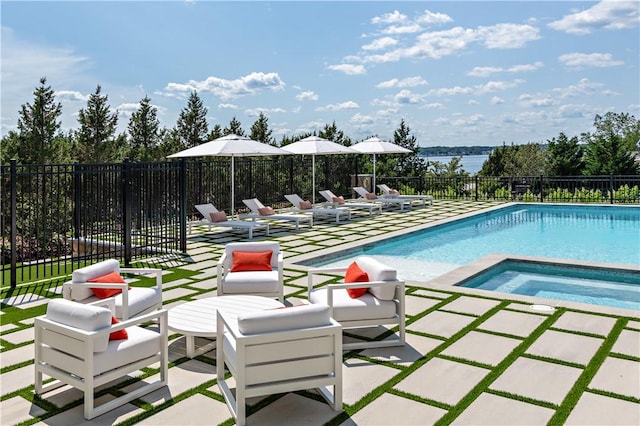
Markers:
{"x": 259, "y": 211}
{"x": 206, "y": 210}
{"x": 300, "y": 205}
{"x": 373, "y": 198}
{"x": 388, "y": 192}
{"x": 339, "y": 202}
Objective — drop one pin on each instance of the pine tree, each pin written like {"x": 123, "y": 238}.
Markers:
{"x": 260, "y": 130}
{"x": 191, "y": 129}
{"x": 332, "y": 133}
{"x": 215, "y": 133}
{"x": 564, "y": 156}
{"x": 611, "y": 148}
{"x": 408, "y": 164}
{"x": 234, "y": 128}
{"x": 97, "y": 141}
{"x": 144, "y": 132}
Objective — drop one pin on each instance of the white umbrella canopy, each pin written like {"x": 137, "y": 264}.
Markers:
{"x": 315, "y": 145}
{"x": 375, "y": 146}
{"x": 231, "y": 146}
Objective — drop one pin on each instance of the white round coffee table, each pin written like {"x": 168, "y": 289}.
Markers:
{"x": 198, "y": 318}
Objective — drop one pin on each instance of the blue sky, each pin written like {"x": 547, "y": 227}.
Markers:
{"x": 458, "y": 73}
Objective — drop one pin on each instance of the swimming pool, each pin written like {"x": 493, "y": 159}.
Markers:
{"x": 594, "y": 285}
{"x": 587, "y": 233}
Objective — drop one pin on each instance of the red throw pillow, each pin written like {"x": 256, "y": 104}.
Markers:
{"x": 244, "y": 261}
{"x": 371, "y": 196}
{"x": 218, "y": 216}
{"x": 339, "y": 200}
{"x": 120, "y": 334}
{"x": 356, "y": 275}
{"x": 305, "y": 205}
{"x": 266, "y": 211}
{"x": 112, "y": 277}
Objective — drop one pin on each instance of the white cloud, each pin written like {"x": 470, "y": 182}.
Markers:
{"x": 362, "y": 119}
{"x": 405, "y": 82}
{"x": 407, "y": 97}
{"x": 487, "y": 71}
{"x": 402, "y": 29}
{"x": 429, "y": 17}
{"x": 508, "y": 36}
{"x": 484, "y": 71}
{"x": 608, "y": 15}
{"x": 128, "y": 108}
{"x": 449, "y": 91}
{"x": 582, "y": 60}
{"x": 381, "y": 43}
{"x": 389, "y": 18}
{"x": 71, "y": 95}
{"x": 538, "y": 100}
{"x": 496, "y": 100}
{"x": 526, "y": 67}
{"x": 497, "y": 86}
{"x": 583, "y": 88}
{"x": 229, "y": 89}
{"x": 338, "y": 107}
{"x": 349, "y": 69}
{"x": 432, "y": 105}
{"x": 255, "y": 112}
{"x": 227, "y": 106}
{"x": 307, "y": 96}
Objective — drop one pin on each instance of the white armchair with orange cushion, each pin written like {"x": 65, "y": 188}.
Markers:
{"x": 276, "y": 351}
{"x": 102, "y": 280}
{"x": 372, "y": 295}
{"x": 82, "y": 345}
{"x": 251, "y": 268}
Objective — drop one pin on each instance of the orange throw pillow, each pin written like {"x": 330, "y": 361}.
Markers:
{"x": 371, "y": 196}
{"x": 339, "y": 200}
{"x": 120, "y": 334}
{"x": 356, "y": 275}
{"x": 112, "y": 277}
{"x": 305, "y": 205}
{"x": 218, "y": 216}
{"x": 244, "y": 261}
{"x": 266, "y": 211}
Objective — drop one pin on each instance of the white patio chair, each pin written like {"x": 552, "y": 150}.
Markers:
{"x": 388, "y": 192}
{"x": 276, "y": 351}
{"x": 371, "y": 197}
{"x": 256, "y": 281}
{"x": 258, "y": 209}
{"x": 72, "y": 346}
{"x": 339, "y": 202}
{"x": 206, "y": 211}
{"x": 382, "y": 304}
{"x": 130, "y": 302}
{"x": 299, "y": 205}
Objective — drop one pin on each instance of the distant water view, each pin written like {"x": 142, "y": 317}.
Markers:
{"x": 470, "y": 163}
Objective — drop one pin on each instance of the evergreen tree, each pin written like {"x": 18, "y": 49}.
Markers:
{"x": 515, "y": 160}
{"x": 144, "y": 132}
{"x": 234, "y": 128}
{"x": 38, "y": 140}
{"x": 624, "y": 125}
{"x": 260, "y": 130}
{"x": 332, "y": 133}
{"x": 97, "y": 141}
{"x": 564, "y": 156}
{"x": 607, "y": 153}
{"x": 408, "y": 164}
{"x": 215, "y": 133}
{"x": 191, "y": 129}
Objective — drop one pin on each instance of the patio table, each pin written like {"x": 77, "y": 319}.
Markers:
{"x": 198, "y": 318}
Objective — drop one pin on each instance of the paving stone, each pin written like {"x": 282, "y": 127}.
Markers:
{"x": 181, "y": 282}
{"x": 514, "y": 323}
{"x": 543, "y": 381}
{"x": 360, "y": 377}
{"x": 482, "y": 347}
{"x": 619, "y": 376}
{"x": 199, "y": 265}
{"x": 26, "y": 300}
{"x": 390, "y": 409}
{"x": 195, "y": 410}
{"x": 597, "y": 410}
{"x": 628, "y": 343}
{"x": 470, "y": 305}
{"x": 492, "y": 410}
{"x": 17, "y": 355}
{"x": 66, "y": 394}
{"x": 20, "y": 336}
{"x": 177, "y": 293}
{"x": 6, "y": 327}
{"x": 527, "y": 308}
{"x": 439, "y": 323}
{"x": 443, "y": 380}
{"x": 209, "y": 284}
{"x": 293, "y": 409}
{"x": 17, "y": 409}
{"x": 634, "y": 324}
{"x": 566, "y": 347}
{"x": 416, "y": 305}
{"x": 75, "y": 415}
{"x": 415, "y": 348}
{"x": 430, "y": 293}
{"x": 585, "y": 323}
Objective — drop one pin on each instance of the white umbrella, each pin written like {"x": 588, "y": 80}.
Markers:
{"x": 375, "y": 146}
{"x": 315, "y": 145}
{"x": 231, "y": 146}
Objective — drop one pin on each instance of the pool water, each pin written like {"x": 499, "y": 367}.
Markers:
{"x": 595, "y": 286}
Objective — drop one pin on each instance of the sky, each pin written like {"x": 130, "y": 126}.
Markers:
{"x": 459, "y": 73}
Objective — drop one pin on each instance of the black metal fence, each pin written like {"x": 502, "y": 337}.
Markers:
{"x": 55, "y": 218}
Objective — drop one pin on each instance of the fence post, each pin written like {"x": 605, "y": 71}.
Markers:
{"x": 126, "y": 210}
{"x": 476, "y": 186}
{"x": 182, "y": 188}
{"x": 542, "y": 188}
{"x": 611, "y": 188}
{"x": 14, "y": 218}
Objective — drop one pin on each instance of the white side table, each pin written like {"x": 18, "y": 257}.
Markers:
{"x": 198, "y": 318}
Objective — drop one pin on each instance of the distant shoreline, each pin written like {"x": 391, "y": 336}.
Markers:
{"x": 444, "y": 151}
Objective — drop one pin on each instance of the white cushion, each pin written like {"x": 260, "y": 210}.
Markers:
{"x": 253, "y": 247}
{"x": 251, "y": 282}
{"x": 81, "y": 316}
{"x": 83, "y": 275}
{"x": 140, "y": 344}
{"x": 378, "y": 272}
{"x": 140, "y": 299}
{"x": 345, "y": 308}
{"x": 281, "y": 319}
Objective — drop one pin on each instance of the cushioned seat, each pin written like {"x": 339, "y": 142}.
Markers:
{"x": 365, "y": 307}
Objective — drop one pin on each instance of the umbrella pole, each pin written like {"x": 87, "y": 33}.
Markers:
{"x": 313, "y": 180}
{"x": 233, "y": 161}
{"x": 374, "y": 173}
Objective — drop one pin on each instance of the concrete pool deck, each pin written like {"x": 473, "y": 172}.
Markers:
{"x": 472, "y": 356}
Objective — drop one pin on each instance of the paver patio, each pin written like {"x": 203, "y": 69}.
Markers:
{"x": 472, "y": 357}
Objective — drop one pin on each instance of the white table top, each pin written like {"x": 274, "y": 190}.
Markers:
{"x": 198, "y": 318}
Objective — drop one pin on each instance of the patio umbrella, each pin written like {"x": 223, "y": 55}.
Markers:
{"x": 315, "y": 145}
{"x": 375, "y": 146}
{"x": 231, "y": 146}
